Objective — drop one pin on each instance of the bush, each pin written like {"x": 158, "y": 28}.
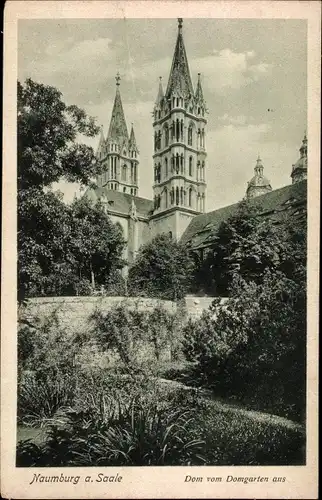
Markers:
{"x": 163, "y": 268}
{"x": 253, "y": 347}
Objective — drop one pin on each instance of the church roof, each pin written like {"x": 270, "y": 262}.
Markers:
{"x": 117, "y": 131}
{"x": 179, "y": 82}
{"x": 120, "y": 202}
{"x": 278, "y": 204}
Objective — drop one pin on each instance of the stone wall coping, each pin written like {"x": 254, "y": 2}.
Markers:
{"x": 97, "y": 299}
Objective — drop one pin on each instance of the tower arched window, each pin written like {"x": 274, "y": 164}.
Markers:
{"x": 177, "y": 101}
{"x": 155, "y": 141}
{"x": 177, "y": 163}
{"x": 198, "y": 202}
{"x": 190, "y": 166}
{"x": 166, "y": 133}
{"x": 166, "y": 168}
{"x": 198, "y": 171}
{"x": 190, "y": 196}
{"x": 184, "y": 197}
{"x": 203, "y": 171}
{"x": 177, "y": 195}
{"x": 181, "y": 196}
{"x": 177, "y": 130}
{"x": 172, "y": 163}
{"x": 181, "y": 163}
{"x": 181, "y": 130}
{"x": 165, "y": 197}
{"x": 172, "y": 196}
{"x": 203, "y": 203}
{"x": 124, "y": 173}
{"x": 190, "y": 135}
{"x": 198, "y": 138}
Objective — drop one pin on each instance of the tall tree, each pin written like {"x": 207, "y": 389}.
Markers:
{"x": 163, "y": 268}
{"x": 50, "y": 253}
{"x": 96, "y": 242}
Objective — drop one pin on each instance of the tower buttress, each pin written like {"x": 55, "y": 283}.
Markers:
{"x": 179, "y": 145}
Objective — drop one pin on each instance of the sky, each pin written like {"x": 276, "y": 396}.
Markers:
{"x": 254, "y": 77}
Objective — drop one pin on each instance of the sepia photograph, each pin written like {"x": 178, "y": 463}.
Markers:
{"x": 162, "y": 168}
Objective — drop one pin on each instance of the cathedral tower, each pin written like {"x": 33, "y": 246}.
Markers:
{"x": 119, "y": 153}
{"x": 179, "y": 147}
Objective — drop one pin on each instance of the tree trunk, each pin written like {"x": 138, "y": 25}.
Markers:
{"x": 92, "y": 277}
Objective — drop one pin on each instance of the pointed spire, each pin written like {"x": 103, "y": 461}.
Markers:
{"x": 101, "y": 140}
{"x": 101, "y": 134}
{"x": 180, "y": 79}
{"x": 160, "y": 93}
{"x": 117, "y": 131}
{"x": 199, "y": 92}
{"x": 132, "y": 141}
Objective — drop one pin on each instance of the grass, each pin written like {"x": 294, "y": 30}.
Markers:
{"x": 122, "y": 420}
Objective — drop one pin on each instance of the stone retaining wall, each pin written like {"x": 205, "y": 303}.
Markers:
{"x": 73, "y": 313}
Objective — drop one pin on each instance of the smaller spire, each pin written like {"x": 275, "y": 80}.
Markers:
{"x": 118, "y": 79}
{"x": 160, "y": 93}
{"x": 101, "y": 140}
{"x": 132, "y": 140}
{"x": 199, "y": 92}
{"x": 180, "y": 22}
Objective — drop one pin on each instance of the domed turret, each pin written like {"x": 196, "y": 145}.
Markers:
{"x": 299, "y": 169}
{"x": 259, "y": 184}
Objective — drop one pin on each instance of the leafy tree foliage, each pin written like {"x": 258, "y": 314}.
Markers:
{"x": 47, "y": 132}
{"x": 253, "y": 345}
{"x": 163, "y": 268}
{"x": 58, "y": 244}
{"x": 247, "y": 245}
{"x": 96, "y": 243}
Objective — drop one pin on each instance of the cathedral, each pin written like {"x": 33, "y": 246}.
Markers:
{"x": 180, "y": 167}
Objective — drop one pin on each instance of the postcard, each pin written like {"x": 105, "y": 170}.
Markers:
{"x": 160, "y": 249}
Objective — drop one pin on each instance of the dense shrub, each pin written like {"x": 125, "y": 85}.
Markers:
{"x": 163, "y": 268}
{"x": 253, "y": 346}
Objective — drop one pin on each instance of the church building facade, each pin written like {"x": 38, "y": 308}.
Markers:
{"x": 179, "y": 163}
